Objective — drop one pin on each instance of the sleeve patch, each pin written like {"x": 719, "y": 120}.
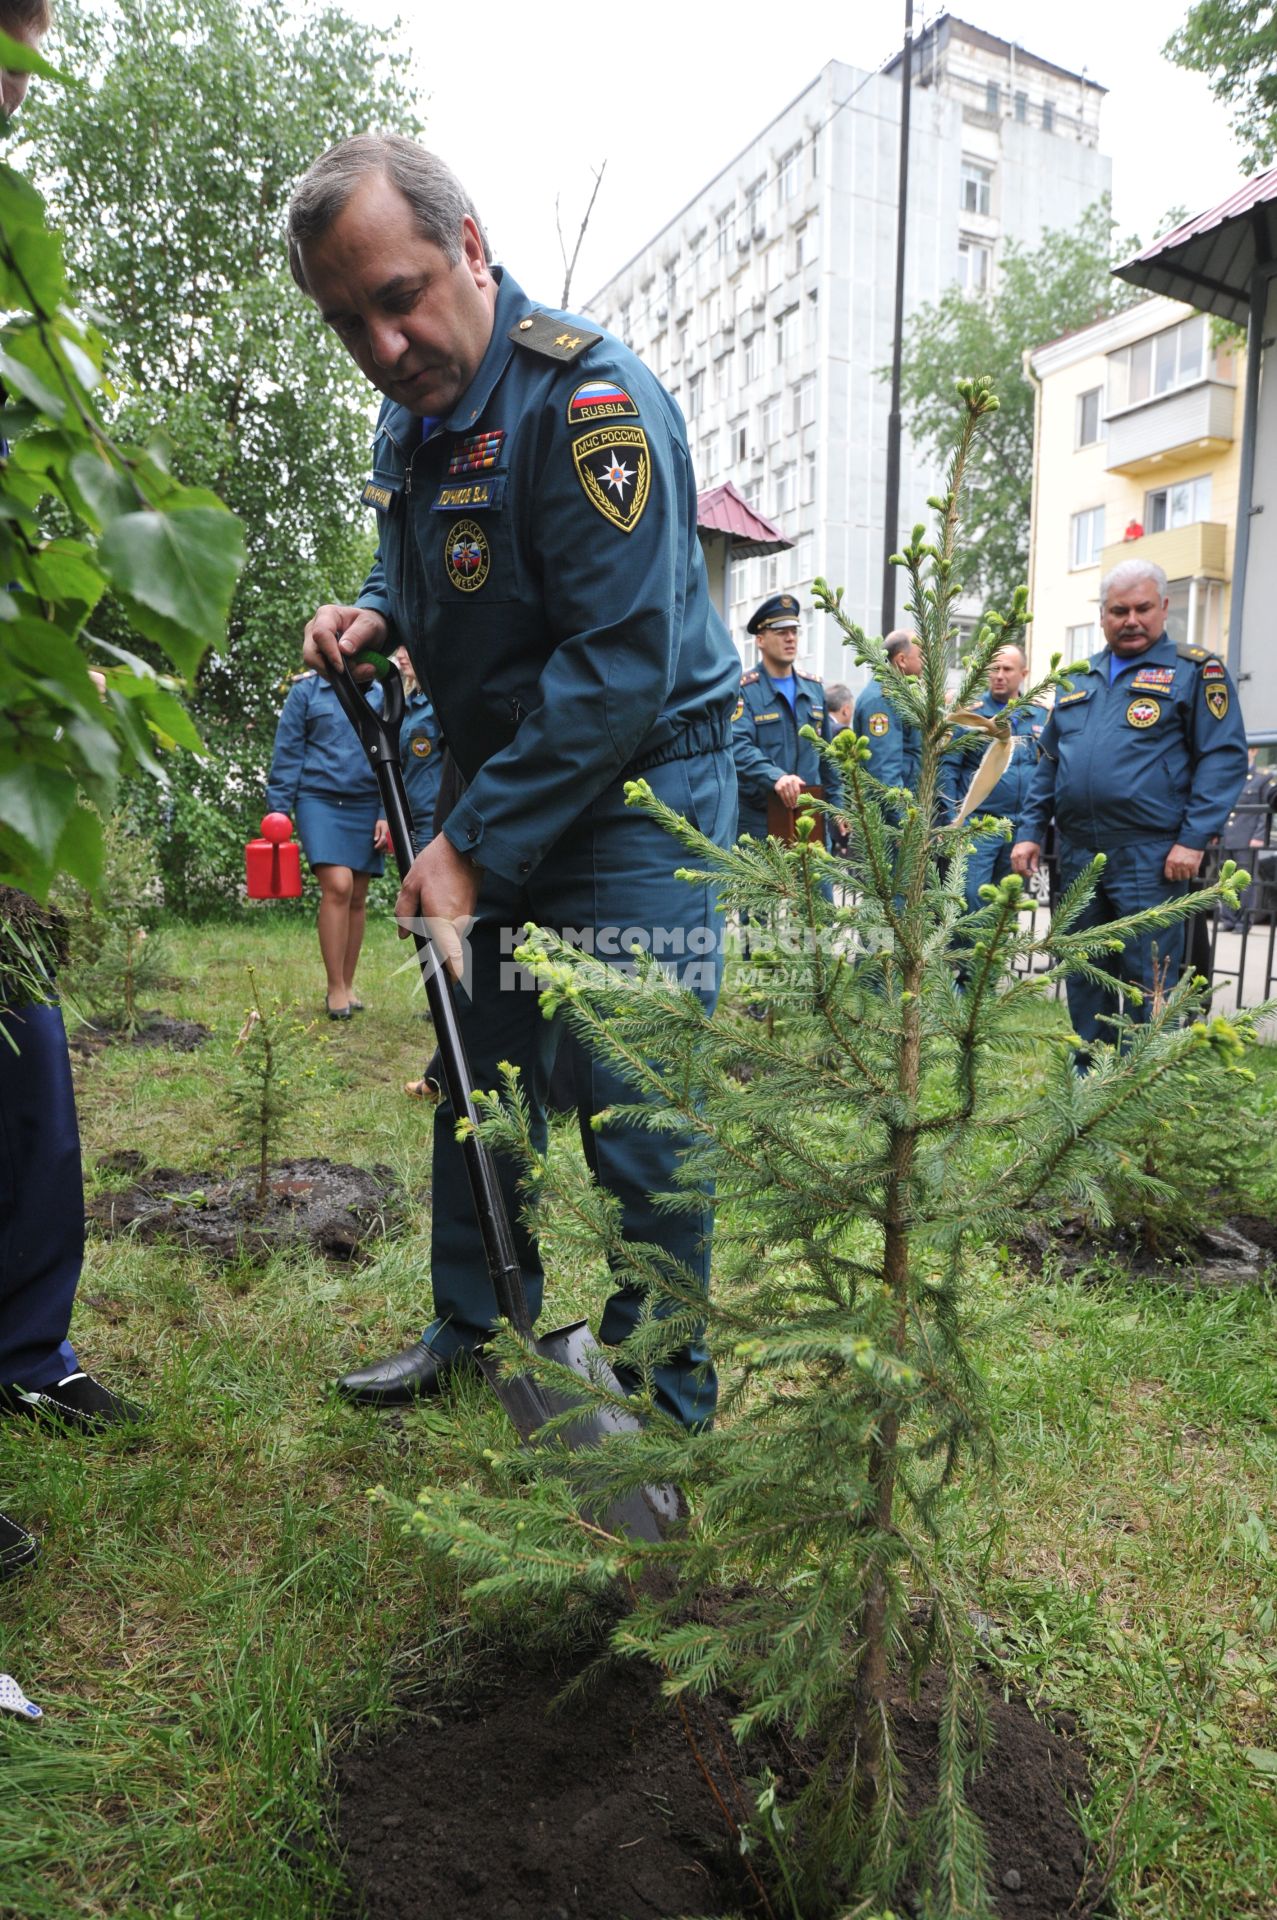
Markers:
{"x": 614, "y": 467}
{"x": 878, "y": 723}
{"x": 1217, "y": 699}
{"x": 600, "y": 400}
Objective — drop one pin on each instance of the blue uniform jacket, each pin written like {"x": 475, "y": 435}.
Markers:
{"x": 895, "y": 749}
{"x": 538, "y": 557}
{"x": 1158, "y": 755}
{"x": 766, "y": 744}
{"x": 1008, "y": 797}
{"x": 421, "y": 757}
{"x": 317, "y": 749}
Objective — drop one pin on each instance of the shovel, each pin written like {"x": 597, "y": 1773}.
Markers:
{"x": 643, "y": 1514}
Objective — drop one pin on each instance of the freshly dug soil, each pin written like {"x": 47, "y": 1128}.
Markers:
{"x": 497, "y": 1808}
{"x": 155, "y": 1029}
{"x": 334, "y": 1208}
{"x": 1241, "y": 1252}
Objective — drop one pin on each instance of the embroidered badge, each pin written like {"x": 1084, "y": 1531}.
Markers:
{"x": 1217, "y": 700}
{"x": 421, "y": 745}
{"x": 1153, "y": 680}
{"x": 740, "y": 708}
{"x": 466, "y": 555}
{"x": 375, "y": 495}
{"x": 477, "y": 452}
{"x": 1071, "y": 699}
{"x": 615, "y": 469}
{"x": 1144, "y": 713}
{"x": 878, "y": 723}
{"x": 600, "y": 400}
{"x": 469, "y": 493}
{"x": 1214, "y": 670}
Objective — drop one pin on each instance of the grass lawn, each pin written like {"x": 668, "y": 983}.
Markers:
{"x": 220, "y": 1603}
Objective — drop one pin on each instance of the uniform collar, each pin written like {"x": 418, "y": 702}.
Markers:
{"x": 404, "y": 427}
{"x": 772, "y": 678}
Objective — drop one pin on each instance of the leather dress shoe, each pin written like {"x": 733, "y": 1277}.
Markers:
{"x": 404, "y": 1377}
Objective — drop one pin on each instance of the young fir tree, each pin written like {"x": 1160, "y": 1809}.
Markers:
{"x": 889, "y": 1120}
{"x": 263, "y": 1094}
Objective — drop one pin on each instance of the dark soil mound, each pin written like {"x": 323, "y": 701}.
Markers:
{"x": 497, "y": 1808}
{"x": 155, "y": 1029}
{"x": 334, "y": 1208}
{"x": 1239, "y": 1253}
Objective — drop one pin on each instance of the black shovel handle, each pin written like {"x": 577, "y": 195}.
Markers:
{"x": 379, "y": 736}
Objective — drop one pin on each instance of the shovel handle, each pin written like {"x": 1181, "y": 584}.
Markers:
{"x": 379, "y": 736}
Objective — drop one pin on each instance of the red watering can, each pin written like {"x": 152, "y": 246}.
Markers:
{"x": 273, "y": 863}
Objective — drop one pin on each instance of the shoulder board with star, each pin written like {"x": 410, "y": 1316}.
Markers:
{"x": 307, "y": 673}
{"x": 749, "y": 679}
{"x": 814, "y": 680}
{"x": 1197, "y": 654}
{"x": 552, "y": 336}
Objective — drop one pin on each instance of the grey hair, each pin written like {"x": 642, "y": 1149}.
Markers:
{"x": 898, "y": 640}
{"x": 1129, "y": 573}
{"x": 438, "y": 200}
{"x": 1010, "y": 646}
{"x": 836, "y": 696}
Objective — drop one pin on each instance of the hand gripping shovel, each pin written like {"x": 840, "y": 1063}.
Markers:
{"x": 642, "y": 1514}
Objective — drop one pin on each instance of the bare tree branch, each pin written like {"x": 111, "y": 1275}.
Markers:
{"x": 569, "y": 266}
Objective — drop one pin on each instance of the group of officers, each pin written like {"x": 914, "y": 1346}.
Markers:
{"x": 538, "y": 562}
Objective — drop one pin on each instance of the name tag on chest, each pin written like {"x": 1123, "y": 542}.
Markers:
{"x": 473, "y": 495}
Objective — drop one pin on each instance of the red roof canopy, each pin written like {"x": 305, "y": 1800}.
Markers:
{"x": 1209, "y": 260}
{"x": 722, "y": 510}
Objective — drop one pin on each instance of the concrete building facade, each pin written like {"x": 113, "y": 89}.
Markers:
{"x": 1137, "y": 447}
{"x": 766, "y": 304}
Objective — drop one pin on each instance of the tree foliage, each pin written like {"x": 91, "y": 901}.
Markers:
{"x": 890, "y": 1119}
{"x": 1042, "y": 292}
{"x": 123, "y": 525}
{"x": 1234, "y": 43}
{"x": 170, "y": 172}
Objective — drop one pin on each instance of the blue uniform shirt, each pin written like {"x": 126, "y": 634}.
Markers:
{"x": 316, "y": 749}
{"x": 1008, "y": 797}
{"x": 538, "y": 557}
{"x": 895, "y": 748}
{"x": 421, "y": 757}
{"x": 765, "y": 743}
{"x": 1158, "y": 753}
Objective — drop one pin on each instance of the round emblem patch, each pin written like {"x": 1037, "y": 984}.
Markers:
{"x": 466, "y": 555}
{"x": 1144, "y": 713}
{"x": 878, "y": 723}
{"x": 421, "y": 744}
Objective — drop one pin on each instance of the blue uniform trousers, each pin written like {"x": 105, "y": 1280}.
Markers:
{"x": 41, "y": 1199}
{"x": 1132, "y": 880}
{"x": 613, "y": 872}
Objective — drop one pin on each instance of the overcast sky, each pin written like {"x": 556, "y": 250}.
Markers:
{"x": 525, "y": 100}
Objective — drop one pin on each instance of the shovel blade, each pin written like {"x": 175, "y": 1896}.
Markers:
{"x": 646, "y": 1514}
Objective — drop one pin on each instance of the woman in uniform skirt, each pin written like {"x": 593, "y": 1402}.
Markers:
{"x": 319, "y": 774}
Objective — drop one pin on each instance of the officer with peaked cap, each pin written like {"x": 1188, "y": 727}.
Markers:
{"x": 775, "y": 703}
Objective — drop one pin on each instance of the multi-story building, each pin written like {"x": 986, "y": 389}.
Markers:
{"x": 1136, "y": 456}
{"x": 766, "y": 305}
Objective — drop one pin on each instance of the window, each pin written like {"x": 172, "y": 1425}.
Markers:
{"x": 753, "y": 203}
{"x": 750, "y": 492}
{"x": 1090, "y": 420}
{"x": 1080, "y": 642}
{"x": 738, "y": 438}
{"x": 789, "y": 175}
{"x": 815, "y": 152}
{"x": 786, "y": 334}
{"x": 1175, "y": 358}
{"x": 695, "y": 395}
{"x": 769, "y": 573}
{"x": 671, "y": 284}
{"x": 723, "y": 376}
{"x": 1178, "y": 506}
{"x": 1086, "y": 537}
{"x": 804, "y": 402}
{"x": 786, "y": 487}
{"x": 804, "y": 561}
{"x": 992, "y": 97}
{"x": 625, "y": 323}
{"x": 684, "y": 342}
{"x": 1048, "y": 116}
{"x": 707, "y": 465}
{"x": 975, "y": 266}
{"x": 769, "y": 419}
{"x": 809, "y": 478}
{"x": 659, "y": 347}
{"x": 753, "y": 358}
{"x": 976, "y": 191}
{"x": 740, "y": 581}
{"x": 723, "y": 232}
{"x": 1021, "y": 106}
{"x": 806, "y": 243}
{"x": 811, "y": 316}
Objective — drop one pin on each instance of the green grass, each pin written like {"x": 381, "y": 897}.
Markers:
{"x": 219, "y": 1604}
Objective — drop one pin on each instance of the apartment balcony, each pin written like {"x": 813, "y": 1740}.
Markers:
{"x": 1195, "y": 552}
{"x": 1174, "y": 426}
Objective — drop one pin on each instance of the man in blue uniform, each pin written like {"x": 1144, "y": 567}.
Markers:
{"x": 775, "y": 702}
{"x": 990, "y": 859}
{"x": 895, "y": 749}
{"x": 1142, "y": 762}
{"x": 538, "y": 556}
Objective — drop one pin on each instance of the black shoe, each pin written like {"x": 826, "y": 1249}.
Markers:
{"x": 338, "y": 1013}
{"x": 404, "y": 1377}
{"x": 17, "y": 1548}
{"x": 79, "y": 1402}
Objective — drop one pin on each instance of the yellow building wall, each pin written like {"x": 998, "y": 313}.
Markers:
{"x": 1071, "y": 479}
